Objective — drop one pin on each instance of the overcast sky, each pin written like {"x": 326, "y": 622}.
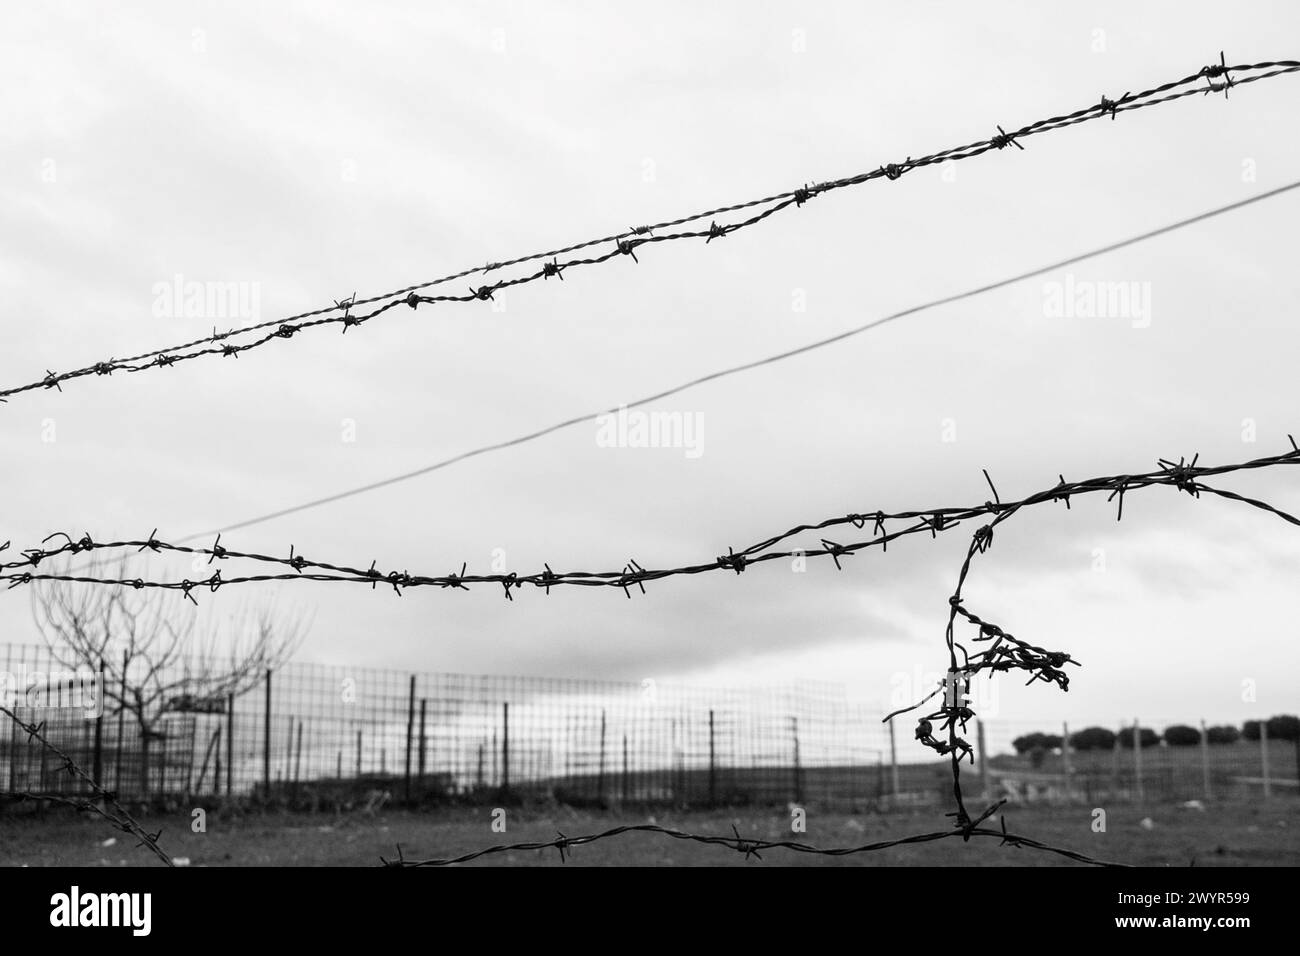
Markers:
{"x": 333, "y": 149}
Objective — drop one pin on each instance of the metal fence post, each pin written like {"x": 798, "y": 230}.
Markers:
{"x": 297, "y": 759}
{"x": 359, "y": 753}
{"x": 625, "y": 768}
{"x": 1263, "y": 757}
{"x": 600, "y": 766}
{"x": 1114, "y": 764}
{"x": 424, "y": 702}
{"x": 1066, "y": 761}
{"x": 189, "y": 773}
{"x": 121, "y": 727}
{"x": 713, "y": 773}
{"x": 288, "y": 755}
{"x": 675, "y": 765}
{"x": 266, "y": 741}
{"x": 410, "y": 733}
{"x": 984, "y": 756}
{"x": 505, "y": 748}
{"x": 99, "y": 730}
{"x": 162, "y": 767}
{"x": 798, "y": 777}
{"x": 893, "y": 763}
{"x": 216, "y": 776}
{"x": 230, "y": 743}
{"x": 13, "y": 754}
{"x": 1137, "y": 760}
{"x": 1205, "y": 761}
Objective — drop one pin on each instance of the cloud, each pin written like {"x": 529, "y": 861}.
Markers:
{"x": 227, "y": 163}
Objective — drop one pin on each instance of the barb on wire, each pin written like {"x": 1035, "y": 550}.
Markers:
{"x": 941, "y": 729}
{"x": 1218, "y": 78}
{"x": 753, "y": 847}
{"x": 105, "y": 805}
{"x": 727, "y": 372}
{"x": 1183, "y": 476}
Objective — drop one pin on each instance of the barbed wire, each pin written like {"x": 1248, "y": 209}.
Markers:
{"x": 1004, "y": 652}
{"x": 1182, "y": 475}
{"x": 749, "y": 365}
{"x": 106, "y": 804}
{"x": 1219, "y": 78}
{"x": 941, "y": 729}
{"x": 754, "y": 847}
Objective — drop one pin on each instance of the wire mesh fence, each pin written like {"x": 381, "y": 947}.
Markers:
{"x": 321, "y": 735}
{"x": 1148, "y": 760}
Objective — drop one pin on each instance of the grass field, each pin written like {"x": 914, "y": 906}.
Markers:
{"x": 1237, "y": 834}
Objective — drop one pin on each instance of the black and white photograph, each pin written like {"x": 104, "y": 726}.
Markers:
{"x": 780, "y": 436}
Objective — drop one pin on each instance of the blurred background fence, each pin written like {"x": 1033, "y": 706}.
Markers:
{"x": 315, "y": 732}
{"x": 324, "y": 736}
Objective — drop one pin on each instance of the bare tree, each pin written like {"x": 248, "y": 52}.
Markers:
{"x": 151, "y": 653}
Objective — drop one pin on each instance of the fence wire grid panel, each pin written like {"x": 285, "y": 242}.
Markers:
{"x": 314, "y": 731}
{"x": 345, "y": 736}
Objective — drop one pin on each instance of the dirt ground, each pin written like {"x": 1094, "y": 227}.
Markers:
{"x": 1233, "y": 835}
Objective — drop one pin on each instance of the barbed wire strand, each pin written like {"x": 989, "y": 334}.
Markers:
{"x": 1004, "y": 653}
{"x": 755, "y": 847}
{"x": 745, "y": 366}
{"x": 105, "y": 806}
{"x": 632, "y": 574}
{"x": 1219, "y": 78}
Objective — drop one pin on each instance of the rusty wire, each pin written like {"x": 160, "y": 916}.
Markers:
{"x": 1219, "y": 78}
{"x": 105, "y": 803}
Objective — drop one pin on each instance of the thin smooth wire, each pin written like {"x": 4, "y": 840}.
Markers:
{"x": 747, "y": 366}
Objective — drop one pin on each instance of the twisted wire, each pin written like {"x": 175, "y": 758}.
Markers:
{"x": 1219, "y": 78}
{"x": 747, "y": 366}
{"x": 564, "y": 844}
{"x": 632, "y": 574}
{"x": 106, "y": 804}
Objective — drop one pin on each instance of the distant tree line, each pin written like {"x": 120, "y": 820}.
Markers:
{"x": 1281, "y": 727}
